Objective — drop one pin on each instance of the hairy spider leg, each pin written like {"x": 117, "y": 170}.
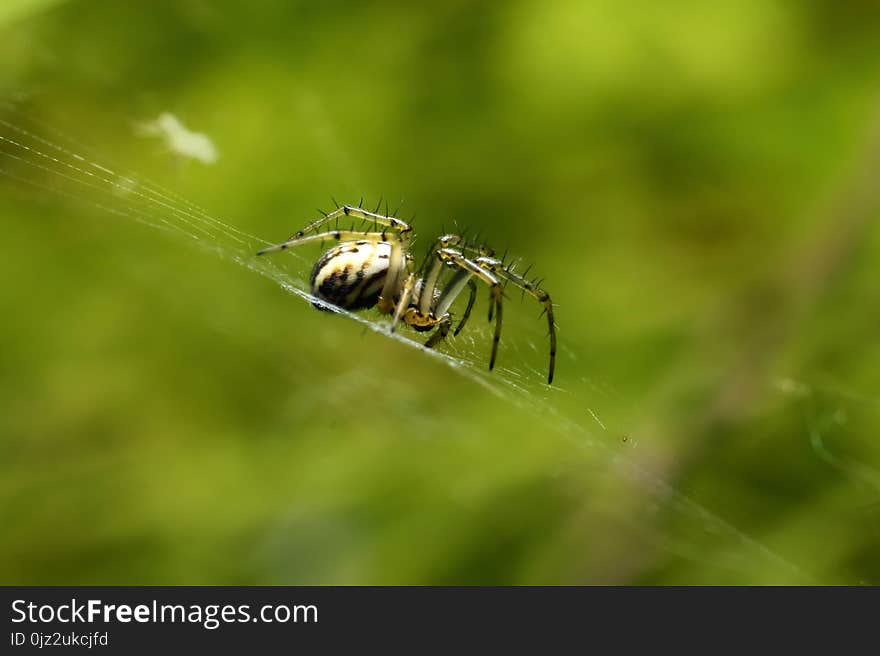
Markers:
{"x": 480, "y": 250}
{"x": 429, "y": 284}
{"x": 533, "y": 290}
{"x": 356, "y": 213}
{"x": 459, "y": 260}
{"x": 337, "y": 235}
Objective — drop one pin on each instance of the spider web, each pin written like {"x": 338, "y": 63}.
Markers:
{"x": 36, "y": 155}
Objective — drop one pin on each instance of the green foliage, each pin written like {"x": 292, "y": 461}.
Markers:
{"x": 12, "y": 10}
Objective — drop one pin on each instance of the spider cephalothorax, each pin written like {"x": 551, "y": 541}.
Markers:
{"x": 374, "y": 267}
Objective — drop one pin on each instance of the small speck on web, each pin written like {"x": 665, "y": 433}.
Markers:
{"x": 178, "y": 139}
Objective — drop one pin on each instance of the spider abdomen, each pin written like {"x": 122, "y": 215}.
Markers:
{"x": 352, "y": 274}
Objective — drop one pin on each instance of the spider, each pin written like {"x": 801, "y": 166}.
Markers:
{"x": 370, "y": 268}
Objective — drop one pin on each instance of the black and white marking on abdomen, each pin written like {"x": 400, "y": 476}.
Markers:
{"x": 351, "y": 275}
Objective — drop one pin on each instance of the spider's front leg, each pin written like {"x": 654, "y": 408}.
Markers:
{"x": 534, "y": 290}
{"x": 456, "y": 258}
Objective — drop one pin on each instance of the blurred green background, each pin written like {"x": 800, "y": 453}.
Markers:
{"x": 697, "y": 183}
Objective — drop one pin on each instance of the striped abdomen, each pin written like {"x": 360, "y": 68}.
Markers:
{"x": 352, "y": 274}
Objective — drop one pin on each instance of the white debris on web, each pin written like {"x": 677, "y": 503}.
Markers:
{"x": 179, "y": 139}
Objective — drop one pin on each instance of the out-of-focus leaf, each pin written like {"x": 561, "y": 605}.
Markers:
{"x": 11, "y": 10}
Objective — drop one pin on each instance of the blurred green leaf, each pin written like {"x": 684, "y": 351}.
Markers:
{"x": 12, "y": 10}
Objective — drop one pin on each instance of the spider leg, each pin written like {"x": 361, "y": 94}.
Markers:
{"x": 455, "y": 286}
{"x": 403, "y": 303}
{"x": 395, "y": 224}
{"x": 429, "y": 284}
{"x": 459, "y": 260}
{"x": 480, "y": 250}
{"x": 470, "y": 305}
{"x": 458, "y": 281}
{"x": 337, "y": 235}
{"x": 439, "y": 335}
{"x": 533, "y": 290}
{"x": 398, "y": 263}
